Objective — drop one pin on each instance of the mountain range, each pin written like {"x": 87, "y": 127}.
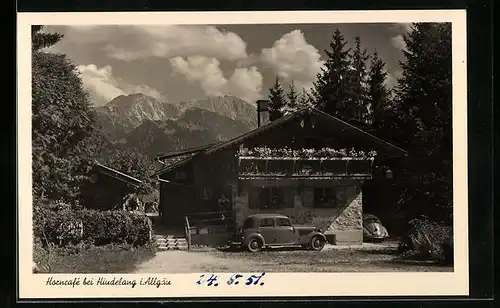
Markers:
{"x": 141, "y": 122}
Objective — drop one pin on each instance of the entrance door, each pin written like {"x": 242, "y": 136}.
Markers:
{"x": 177, "y": 202}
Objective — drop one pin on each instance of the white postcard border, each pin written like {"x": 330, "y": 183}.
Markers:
{"x": 33, "y": 286}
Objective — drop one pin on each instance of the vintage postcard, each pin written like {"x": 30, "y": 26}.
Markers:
{"x": 242, "y": 154}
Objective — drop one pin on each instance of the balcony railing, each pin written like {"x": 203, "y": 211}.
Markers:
{"x": 304, "y": 167}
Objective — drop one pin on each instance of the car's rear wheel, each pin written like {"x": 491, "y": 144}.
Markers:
{"x": 317, "y": 243}
{"x": 255, "y": 245}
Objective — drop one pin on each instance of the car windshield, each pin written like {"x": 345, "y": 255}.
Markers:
{"x": 371, "y": 219}
{"x": 247, "y": 224}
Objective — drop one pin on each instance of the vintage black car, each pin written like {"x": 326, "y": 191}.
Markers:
{"x": 274, "y": 230}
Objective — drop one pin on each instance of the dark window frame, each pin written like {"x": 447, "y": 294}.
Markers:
{"x": 267, "y": 226}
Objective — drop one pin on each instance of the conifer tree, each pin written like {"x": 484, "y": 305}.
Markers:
{"x": 292, "y": 96}
{"x": 358, "y": 90}
{"x": 378, "y": 95}
{"x": 277, "y": 101}
{"x": 332, "y": 85}
{"x": 422, "y": 123}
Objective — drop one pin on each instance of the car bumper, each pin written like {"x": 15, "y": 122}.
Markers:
{"x": 375, "y": 237}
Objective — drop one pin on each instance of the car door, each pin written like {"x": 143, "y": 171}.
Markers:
{"x": 267, "y": 228}
{"x": 285, "y": 233}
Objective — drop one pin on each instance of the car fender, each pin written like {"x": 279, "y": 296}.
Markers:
{"x": 316, "y": 233}
{"x": 253, "y": 235}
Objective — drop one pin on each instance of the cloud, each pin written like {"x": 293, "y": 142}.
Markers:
{"x": 400, "y": 30}
{"x": 103, "y": 86}
{"x": 292, "y": 58}
{"x": 129, "y": 43}
{"x": 245, "y": 83}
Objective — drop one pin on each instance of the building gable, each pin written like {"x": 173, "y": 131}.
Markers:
{"x": 322, "y": 125}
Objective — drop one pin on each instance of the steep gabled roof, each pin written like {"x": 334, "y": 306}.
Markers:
{"x": 396, "y": 151}
{"x": 118, "y": 175}
{"x": 185, "y": 151}
{"x": 336, "y": 121}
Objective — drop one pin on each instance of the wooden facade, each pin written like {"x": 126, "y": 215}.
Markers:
{"x": 309, "y": 190}
{"x": 107, "y": 188}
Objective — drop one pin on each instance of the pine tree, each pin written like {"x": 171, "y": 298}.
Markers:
{"x": 378, "y": 95}
{"x": 358, "y": 90}
{"x": 40, "y": 40}
{"x": 292, "y": 96}
{"x": 277, "y": 101}
{"x": 423, "y": 118}
{"x": 332, "y": 85}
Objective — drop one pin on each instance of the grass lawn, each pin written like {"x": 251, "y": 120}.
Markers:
{"x": 92, "y": 259}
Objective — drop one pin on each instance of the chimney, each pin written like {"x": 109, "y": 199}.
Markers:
{"x": 262, "y": 112}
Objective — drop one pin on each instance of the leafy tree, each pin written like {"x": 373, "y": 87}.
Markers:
{"x": 378, "y": 95}
{"x": 135, "y": 164}
{"x": 277, "y": 101}
{"x": 65, "y": 134}
{"x": 331, "y": 88}
{"x": 422, "y": 119}
{"x": 357, "y": 107}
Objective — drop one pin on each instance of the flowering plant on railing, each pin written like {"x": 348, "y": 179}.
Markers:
{"x": 265, "y": 152}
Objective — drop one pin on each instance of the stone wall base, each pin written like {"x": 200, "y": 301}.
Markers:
{"x": 351, "y": 237}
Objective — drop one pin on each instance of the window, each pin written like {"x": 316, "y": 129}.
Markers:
{"x": 271, "y": 197}
{"x": 266, "y": 222}
{"x": 325, "y": 197}
{"x": 283, "y": 222}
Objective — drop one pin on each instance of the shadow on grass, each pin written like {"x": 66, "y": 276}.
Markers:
{"x": 416, "y": 262}
{"x": 381, "y": 251}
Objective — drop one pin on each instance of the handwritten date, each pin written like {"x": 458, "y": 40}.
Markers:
{"x": 234, "y": 279}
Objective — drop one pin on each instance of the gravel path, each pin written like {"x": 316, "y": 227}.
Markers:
{"x": 365, "y": 258}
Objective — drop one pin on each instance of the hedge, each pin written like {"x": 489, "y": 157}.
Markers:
{"x": 66, "y": 226}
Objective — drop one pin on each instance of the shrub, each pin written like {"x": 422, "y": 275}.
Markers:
{"x": 59, "y": 226}
{"x": 427, "y": 240}
{"x": 65, "y": 227}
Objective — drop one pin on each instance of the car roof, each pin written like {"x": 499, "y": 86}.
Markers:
{"x": 266, "y": 215}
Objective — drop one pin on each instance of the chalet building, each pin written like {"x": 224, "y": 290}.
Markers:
{"x": 107, "y": 187}
{"x": 307, "y": 165}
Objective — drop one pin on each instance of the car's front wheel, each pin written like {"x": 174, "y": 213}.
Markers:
{"x": 255, "y": 245}
{"x": 317, "y": 243}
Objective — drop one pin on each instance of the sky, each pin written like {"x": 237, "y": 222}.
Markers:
{"x": 186, "y": 62}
